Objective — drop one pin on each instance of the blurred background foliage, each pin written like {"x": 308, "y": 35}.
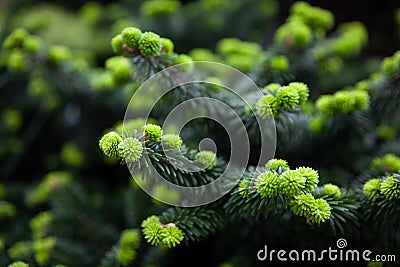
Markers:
{"x": 62, "y": 202}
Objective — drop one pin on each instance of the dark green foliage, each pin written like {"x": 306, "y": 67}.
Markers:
{"x": 66, "y": 196}
{"x": 196, "y": 223}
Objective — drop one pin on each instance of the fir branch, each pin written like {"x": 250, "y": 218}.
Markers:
{"x": 174, "y": 168}
{"x": 345, "y": 214}
{"x": 251, "y": 204}
{"x": 196, "y": 223}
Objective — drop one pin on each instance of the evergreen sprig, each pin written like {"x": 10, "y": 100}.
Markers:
{"x": 74, "y": 215}
{"x": 195, "y": 223}
{"x": 172, "y": 166}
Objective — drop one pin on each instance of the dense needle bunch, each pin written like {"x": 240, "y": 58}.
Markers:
{"x": 390, "y": 187}
{"x": 281, "y": 98}
{"x": 343, "y": 102}
{"x": 372, "y": 188}
{"x": 387, "y": 163}
{"x": 109, "y": 144}
{"x": 130, "y": 149}
{"x": 339, "y": 134}
{"x": 314, "y": 210}
{"x": 297, "y": 187}
{"x": 132, "y": 41}
{"x": 171, "y": 141}
{"x": 152, "y": 132}
{"x": 128, "y": 244}
{"x": 157, "y": 233}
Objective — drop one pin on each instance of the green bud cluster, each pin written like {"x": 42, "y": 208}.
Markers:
{"x": 25, "y": 49}
{"x": 72, "y": 155}
{"x": 272, "y": 88}
{"x": 119, "y": 70}
{"x": 297, "y": 185}
{"x": 314, "y": 210}
{"x": 58, "y": 54}
{"x": 343, "y": 102}
{"x": 279, "y": 178}
{"x": 182, "y": 59}
{"x": 50, "y": 183}
{"x": 240, "y": 54}
{"x": 267, "y": 107}
{"x": 229, "y": 46}
{"x": 241, "y": 62}
{"x": 386, "y": 132}
{"x": 128, "y": 244}
{"x": 40, "y": 224}
{"x": 203, "y": 54}
{"x": 91, "y": 12}
{"x": 163, "y": 192}
{"x": 268, "y": 184}
{"x": 118, "y": 66}
{"x": 330, "y": 64}
{"x": 290, "y": 96}
{"x": 104, "y": 80}
{"x": 375, "y": 264}
{"x": 152, "y": 132}
{"x": 171, "y": 141}
{"x": 117, "y": 44}
{"x": 312, "y": 177}
{"x": 372, "y": 188}
{"x": 331, "y": 189}
{"x": 388, "y": 187}
{"x": 43, "y": 248}
{"x": 18, "y": 264}
{"x": 278, "y": 97}
{"x": 7, "y": 209}
{"x": 214, "y": 83}
{"x": 159, "y": 7}
{"x": 131, "y": 37}
{"x": 157, "y": 233}
{"x": 302, "y": 89}
{"x": 293, "y": 34}
{"x": 130, "y": 149}
{"x": 12, "y": 118}
{"x": 363, "y": 85}
{"x": 21, "y": 39}
{"x": 317, "y": 123}
{"x": 207, "y": 159}
{"x": 351, "y": 39}
{"x": 20, "y": 249}
{"x": 109, "y": 144}
{"x": 292, "y": 183}
{"x": 150, "y": 44}
{"x": 129, "y": 126}
{"x": 39, "y": 87}
{"x": 391, "y": 65}
{"x": 287, "y": 97}
{"x": 167, "y": 44}
{"x": 244, "y": 187}
{"x": 17, "y": 61}
{"x": 279, "y": 63}
{"x": 132, "y": 40}
{"x": 314, "y": 17}
{"x": 387, "y": 163}
{"x": 278, "y": 165}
